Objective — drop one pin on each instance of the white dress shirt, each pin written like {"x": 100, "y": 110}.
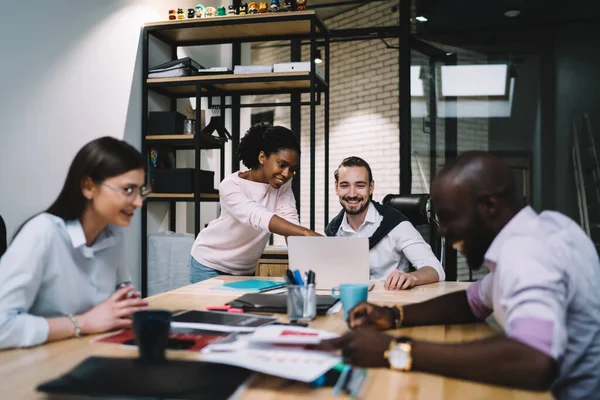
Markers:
{"x": 403, "y": 246}
{"x": 543, "y": 288}
{"x": 48, "y": 271}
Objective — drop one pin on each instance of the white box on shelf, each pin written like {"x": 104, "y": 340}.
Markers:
{"x": 252, "y": 69}
{"x": 297, "y": 66}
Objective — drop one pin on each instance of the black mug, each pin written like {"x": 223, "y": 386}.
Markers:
{"x": 151, "y": 329}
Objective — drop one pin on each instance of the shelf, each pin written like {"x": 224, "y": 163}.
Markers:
{"x": 185, "y": 141}
{"x": 182, "y": 197}
{"x": 245, "y": 28}
{"x": 244, "y": 84}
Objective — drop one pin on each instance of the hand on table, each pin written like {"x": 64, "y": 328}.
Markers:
{"x": 113, "y": 313}
{"x": 399, "y": 280}
{"x": 363, "y": 347}
{"x": 366, "y": 314}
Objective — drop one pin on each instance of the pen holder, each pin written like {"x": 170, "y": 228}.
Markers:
{"x": 301, "y": 302}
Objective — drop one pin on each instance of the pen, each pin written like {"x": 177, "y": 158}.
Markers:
{"x": 341, "y": 380}
{"x": 290, "y": 277}
{"x": 311, "y": 277}
{"x": 298, "y": 277}
{"x": 291, "y": 323}
{"x": 226, "y": 307}
{"x": 123, "y": 284}
{"x": 131, "y": 293}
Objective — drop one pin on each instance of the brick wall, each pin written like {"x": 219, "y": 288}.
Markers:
{"x": 364, "y": 113}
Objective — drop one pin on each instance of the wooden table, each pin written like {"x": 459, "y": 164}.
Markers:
{"x": 22, "y": 370}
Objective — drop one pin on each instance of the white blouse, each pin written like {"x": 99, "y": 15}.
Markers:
{"x": 48, "y": 271}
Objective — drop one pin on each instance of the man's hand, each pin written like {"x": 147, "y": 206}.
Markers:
{"x": 367, "y": 314}
{"x": 399, "y": 280}
{"x": 113, "y": 313}
{"x": 363, "y": 348}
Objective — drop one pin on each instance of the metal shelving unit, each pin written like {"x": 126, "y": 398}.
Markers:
{"x": 293, "y": 26}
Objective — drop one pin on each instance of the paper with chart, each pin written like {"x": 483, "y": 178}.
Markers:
{"x": 296, "y": 364}
{"x": 268, "y": 351}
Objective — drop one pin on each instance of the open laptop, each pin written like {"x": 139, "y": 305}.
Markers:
{"x": 334, "y": 260}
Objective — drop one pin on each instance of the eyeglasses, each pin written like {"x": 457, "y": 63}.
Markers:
{"x": 130, "y": 192}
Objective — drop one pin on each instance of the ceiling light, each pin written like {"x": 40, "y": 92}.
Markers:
{"x": 512, "y": 13}
{"x": 318, "y": 59}
{"x": 421, "y": 18}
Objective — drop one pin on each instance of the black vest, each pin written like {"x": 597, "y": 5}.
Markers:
{"x": 391, "y": 219}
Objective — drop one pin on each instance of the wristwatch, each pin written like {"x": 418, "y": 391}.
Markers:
{"x": 399, "y": 355}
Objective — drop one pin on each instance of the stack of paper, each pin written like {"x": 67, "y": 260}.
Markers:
{"x": 276, "y": 350}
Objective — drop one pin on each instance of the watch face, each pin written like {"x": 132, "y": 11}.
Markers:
{"x": 398, "y": 358}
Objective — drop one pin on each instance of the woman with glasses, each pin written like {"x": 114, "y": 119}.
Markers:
{"x": 254, "y": 204}
{"x": 64, "y": 273}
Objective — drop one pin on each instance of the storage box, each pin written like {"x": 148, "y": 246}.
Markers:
{"x": 181, "y": 180}
{"x": 252, "y": 69}
{"x": 165, "y": 123}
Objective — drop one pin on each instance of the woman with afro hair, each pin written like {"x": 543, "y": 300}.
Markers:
{"x": 254, "y": 204}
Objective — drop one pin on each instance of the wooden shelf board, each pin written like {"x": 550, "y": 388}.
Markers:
{"x": 226, "y": 29}
{"x": 186, "y": 136}
{"x": 183, "y": 195}
{"x": 274, "y": 81}
{"x": 186, "y": 141}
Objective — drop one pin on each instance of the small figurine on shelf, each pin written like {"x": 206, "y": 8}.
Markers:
{"x": 211, "y": 11}
{"x": 230, "y": 10}
{"x": 200, "y": 11}
{"x": 172, "y": 15}
{"x": 263, "y": 8}
{"x": 252, "y": 8}
{"x": 221, "y": 11}
{"x": 180, "y": 13}
{"x": 243, "y": 9}
{"x": 287, "y": 5}
{"x": 191, "y": 13}
{"x": 275, "y": 5}
{"x": 300, "y": 5}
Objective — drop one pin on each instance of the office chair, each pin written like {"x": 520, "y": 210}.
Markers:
{"x": 3, "y": 243}
{"x": 419, "y": 211}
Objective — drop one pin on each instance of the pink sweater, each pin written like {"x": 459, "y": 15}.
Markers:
{"x": 234, "y": 242}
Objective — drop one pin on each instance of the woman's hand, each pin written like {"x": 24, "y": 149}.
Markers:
{"x": 114, "y": 313}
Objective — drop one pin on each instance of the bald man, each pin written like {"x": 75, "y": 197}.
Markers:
{"x": 543, "y": 288}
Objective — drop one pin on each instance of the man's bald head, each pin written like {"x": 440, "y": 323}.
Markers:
{"x": 482, "y": 174}
{"x": 474, "y": 198}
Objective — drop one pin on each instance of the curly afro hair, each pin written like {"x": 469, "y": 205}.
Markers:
{"x": 268, "y": 139}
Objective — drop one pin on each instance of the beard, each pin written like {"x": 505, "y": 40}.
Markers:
{"x": 362, "y": 207}
{"x": 478, "y": 244}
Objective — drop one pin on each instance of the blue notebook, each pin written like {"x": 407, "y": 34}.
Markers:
{"x": 250, "y": 285}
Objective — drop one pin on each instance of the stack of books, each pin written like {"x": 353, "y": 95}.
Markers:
{"x": 184, "y": 67}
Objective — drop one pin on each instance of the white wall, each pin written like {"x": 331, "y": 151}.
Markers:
{"x": 67, "y": 76}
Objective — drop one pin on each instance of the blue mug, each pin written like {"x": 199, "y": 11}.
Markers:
{"x": 350, "y": 294}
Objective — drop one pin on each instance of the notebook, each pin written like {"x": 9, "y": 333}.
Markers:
{"x": 128, "y": 378}
{"x": 250, "y": 285}
{"x": 277, "y": 303}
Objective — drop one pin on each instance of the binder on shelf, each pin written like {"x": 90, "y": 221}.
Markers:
{"x": 215, "y": 71}
{"x": 181, "y": 67}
